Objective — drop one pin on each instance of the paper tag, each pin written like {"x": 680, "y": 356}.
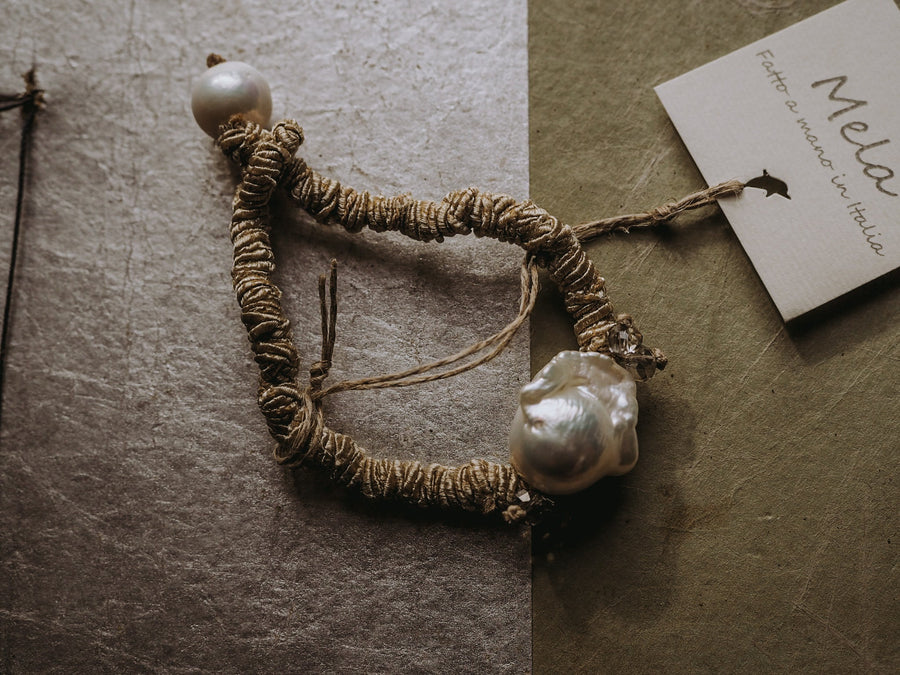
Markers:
{"x": 810, "y": 118}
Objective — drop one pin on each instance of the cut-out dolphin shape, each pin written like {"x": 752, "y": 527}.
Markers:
{"x": 772, "y": 185}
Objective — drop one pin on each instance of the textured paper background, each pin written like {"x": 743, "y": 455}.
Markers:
{"x": 145, "y": 526}
{"x": 759, "y": 531}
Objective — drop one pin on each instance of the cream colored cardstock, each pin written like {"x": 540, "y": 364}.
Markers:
{"x": 813, "y": 114}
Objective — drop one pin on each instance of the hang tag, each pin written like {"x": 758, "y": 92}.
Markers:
{"x": 809, "y": 118}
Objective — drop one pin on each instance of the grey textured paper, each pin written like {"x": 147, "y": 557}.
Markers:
{"x": 814, "y": 105}
{"x": 145, "y": 525}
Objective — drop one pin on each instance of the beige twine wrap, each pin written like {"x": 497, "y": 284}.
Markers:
{"x": 293, "y": 411}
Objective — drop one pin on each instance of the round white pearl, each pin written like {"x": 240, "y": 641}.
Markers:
{"x": 575, "y": 423}
{"x": 227, "y": 89}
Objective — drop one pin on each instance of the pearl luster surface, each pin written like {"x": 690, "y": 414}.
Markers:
{"x": 227, "y": 89}
{"x": 575, "y": 423}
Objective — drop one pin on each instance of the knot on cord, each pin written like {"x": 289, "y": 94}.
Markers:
{"x": 303, "y": 435}
{"x": 661, "y": 214}
{"x": 289, "y": 135}
{"x": 241, "y": 140}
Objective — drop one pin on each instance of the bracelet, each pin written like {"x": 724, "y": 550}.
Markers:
{"x": 576, "y": 420}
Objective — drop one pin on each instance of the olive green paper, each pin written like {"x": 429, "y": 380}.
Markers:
{"x": 759, "y": 530}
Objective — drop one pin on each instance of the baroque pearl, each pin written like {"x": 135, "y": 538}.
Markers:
{"x": 227, "y": 89}
{"x": 575, "y": 423}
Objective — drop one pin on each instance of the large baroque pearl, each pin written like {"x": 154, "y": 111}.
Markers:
{"x": 227, "y": 89}
{"x": 575, "y": 423}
